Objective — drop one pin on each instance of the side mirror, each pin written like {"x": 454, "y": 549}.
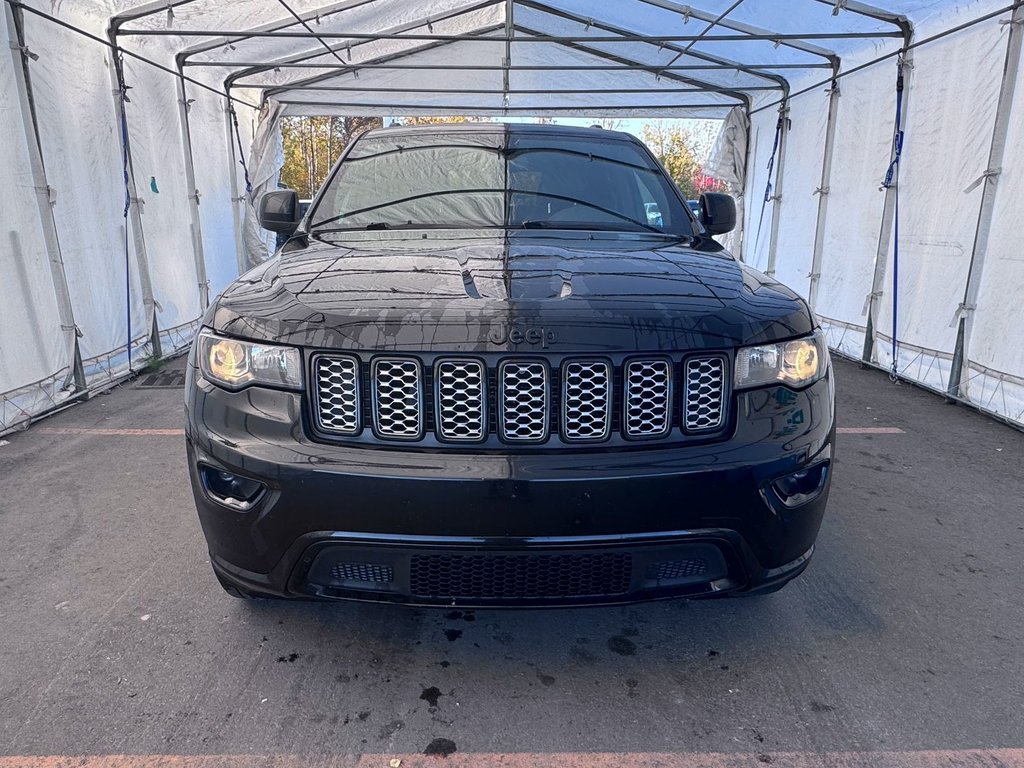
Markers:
{"x": 717, "y": 213}
{"x": 279, "y": 211}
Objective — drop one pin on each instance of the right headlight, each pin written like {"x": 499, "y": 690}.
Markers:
{"x": 798, "y": 363}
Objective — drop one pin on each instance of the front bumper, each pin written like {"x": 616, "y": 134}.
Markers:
{"x": 508, "y": 529}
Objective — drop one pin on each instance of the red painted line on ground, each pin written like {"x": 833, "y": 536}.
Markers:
{"x": 1004, "y": 758}
{"x": 109, "y": 431}
{"x": 870, "y": 431}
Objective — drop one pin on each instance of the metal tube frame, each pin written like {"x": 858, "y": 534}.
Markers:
{"x": 134, "y": 203}
{"x": 780, "y": 169}
{"x": 959, "y": 374}
{"x": 23, "y": 85}
{"x": 823, "y": 191}
{"x": 195, "y": 219}
{"x": 886, "y": 226}
{"x": 417, "y": 37}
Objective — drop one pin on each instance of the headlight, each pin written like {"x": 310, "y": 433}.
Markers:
{"x": 235, "y": 364}
{"x": 797, "y": 362}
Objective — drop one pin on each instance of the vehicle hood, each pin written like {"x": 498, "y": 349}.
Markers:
{"x": 427, "y": 291}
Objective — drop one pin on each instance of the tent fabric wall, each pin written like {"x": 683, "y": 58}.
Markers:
{"x": 36, "y": 361}
{"x": 63, "y": 254}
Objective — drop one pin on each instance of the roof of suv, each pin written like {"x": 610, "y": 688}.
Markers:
{"x": 482, "y": 127}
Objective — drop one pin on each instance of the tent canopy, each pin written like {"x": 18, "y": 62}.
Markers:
{"x": 513, "y": 56}
{"x": 875, "y": 151}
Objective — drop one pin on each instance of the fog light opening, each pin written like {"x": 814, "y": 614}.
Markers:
{"x": 801, "y": 487}
{"x": 230, "y": 489}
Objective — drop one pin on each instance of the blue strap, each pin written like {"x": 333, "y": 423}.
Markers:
{"x": 771, "y": 166}
{"x": 891, "y": 178}
{"x": 241, "y": 152}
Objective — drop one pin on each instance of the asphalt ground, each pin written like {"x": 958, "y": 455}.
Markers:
{"x": 902, "y": 645}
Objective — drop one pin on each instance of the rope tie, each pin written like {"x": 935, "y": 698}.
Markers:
{"x": 989, "y": 175}
{"x": 25, "y": 51}
{"x": 963, "y": 308}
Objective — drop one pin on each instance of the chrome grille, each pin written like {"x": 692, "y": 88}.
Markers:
{"x": 520, "y": 401}
{"x": 586, "y": 400}
{"x": 398, "y": 398}
{"x": 705, "y": 391}
{"x": 647, "y": 411}
{"x": 460, "y": 403}
{"x": 523, "y": 397}
{"x": 337, "y": 394}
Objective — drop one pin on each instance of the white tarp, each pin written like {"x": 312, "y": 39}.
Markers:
{"x": 63, "y": 259}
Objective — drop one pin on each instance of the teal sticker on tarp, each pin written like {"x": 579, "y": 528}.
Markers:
{"x": 152, "y": 184}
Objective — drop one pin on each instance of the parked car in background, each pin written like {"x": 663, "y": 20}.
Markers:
{"x": 481, "y": 373}
{"x": 694, "y": 207}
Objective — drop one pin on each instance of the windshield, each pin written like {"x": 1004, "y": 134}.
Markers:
{"x": 499, "y": 180}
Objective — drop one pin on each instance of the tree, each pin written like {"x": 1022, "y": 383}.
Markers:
{"x": 313, "y": 144}
{"x": 679, "y": 151}
{"x": 440, "y": 119}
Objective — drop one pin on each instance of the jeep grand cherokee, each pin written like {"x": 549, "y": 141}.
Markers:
{"x": 506, "y": 365}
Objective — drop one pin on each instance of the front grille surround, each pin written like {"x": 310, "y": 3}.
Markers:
{"x": 524, "y": 400}
{"x": 706, "y": 393}
{"x": 648, "y": 397}
{"x": 586, "y": 419}
{"x": 397, "y": 404}
{"x": 337, "y": 405}
{"x": 462, "y": 420}
{"x": 490, "y": 429}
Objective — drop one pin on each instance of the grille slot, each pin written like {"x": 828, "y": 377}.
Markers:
{"x": 523, "y": 395}
{"x": 586, "y": 400}
{"x": 512, "y": 576}
{"x": 368, "y": 572}
{"x": 705, "y": 392}
{"x": 678, "y": 569}
{"x": 460, "y": 404}
{"x": 398, "y": 398}
{"x": 336, "y": 379}
{"x": 648, "y": 393}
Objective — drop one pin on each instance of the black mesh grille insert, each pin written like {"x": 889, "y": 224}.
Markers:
{"x": 678, "y": 569}
{"x": 521, "y": 576}
{"x": 369, "y": 572}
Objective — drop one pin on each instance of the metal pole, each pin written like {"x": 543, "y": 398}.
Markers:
{"x": 134, "y": 203}
{"x": 543, "y": 38}
{"x": 237, "y": 200}
{"x": 888, "y": 211}
{"x": 765, "y": 69}
{"x": 20, "y": 58}
{"x": 959, "y": 380}
{"x": 823, "y": 192}
{"x": 780, "y": 166}
{"x": 195, "y": 220}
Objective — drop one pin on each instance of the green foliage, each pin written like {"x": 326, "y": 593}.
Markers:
{"x": 313, "y": 144}
{"x": 678, "y": 149}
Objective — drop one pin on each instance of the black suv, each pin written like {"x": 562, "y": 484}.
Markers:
{"x": 505, "y": 365}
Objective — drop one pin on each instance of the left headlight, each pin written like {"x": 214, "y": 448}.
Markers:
{"x": 235, "y": 364}
{"x": 798, "y": 362}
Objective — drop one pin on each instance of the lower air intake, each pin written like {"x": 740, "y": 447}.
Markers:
{"x": 520, "y": 576}
{"x": 678, "y": 569}
{"x": 366, "y": 572}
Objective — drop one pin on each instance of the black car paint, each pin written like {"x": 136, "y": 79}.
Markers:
{"x": 496, "y": 294}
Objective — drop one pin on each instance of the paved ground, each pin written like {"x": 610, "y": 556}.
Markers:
{"x": 903, "y": 644}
